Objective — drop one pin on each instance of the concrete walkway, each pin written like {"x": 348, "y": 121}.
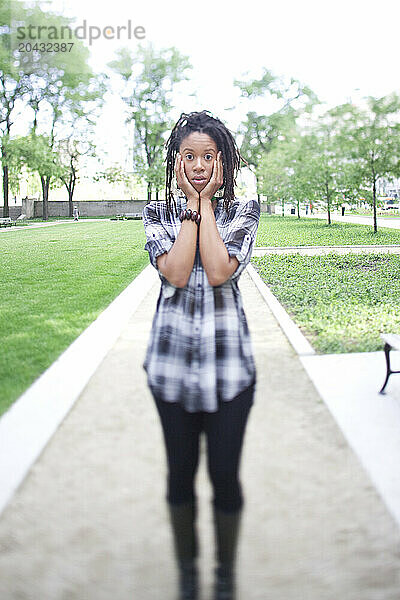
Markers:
{"x": 392, "y": 223}
{"x": 89, "y": 522}
{"x": 47, "y": 224}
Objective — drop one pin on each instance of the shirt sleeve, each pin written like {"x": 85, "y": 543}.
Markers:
{"x": 158, "y": 240}
{"x": 242, "y": 235}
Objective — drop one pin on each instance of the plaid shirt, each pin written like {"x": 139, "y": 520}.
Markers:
{"x": 199, "y": 348}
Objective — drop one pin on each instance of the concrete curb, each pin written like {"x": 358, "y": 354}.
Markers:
{"x": 317, "y": 250}
{"x": 31, "y": 421}
{"x": 289, "y": 327}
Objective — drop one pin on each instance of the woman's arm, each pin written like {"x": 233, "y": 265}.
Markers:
{"x": 177, "y": 264}
{"x": 217, "y": 263}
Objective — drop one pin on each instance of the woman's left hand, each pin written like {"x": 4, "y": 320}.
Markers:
{"x": 217, "y": 179}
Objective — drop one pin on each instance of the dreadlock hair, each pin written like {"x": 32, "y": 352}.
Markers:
{"x": 204, "y": 122}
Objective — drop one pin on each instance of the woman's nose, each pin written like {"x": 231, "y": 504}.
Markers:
{"x": 198, "y": 164}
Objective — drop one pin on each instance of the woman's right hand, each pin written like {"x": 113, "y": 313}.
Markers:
{"x": 183, "y": 182}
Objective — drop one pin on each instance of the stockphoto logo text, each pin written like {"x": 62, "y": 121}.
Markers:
{"x": 53, "y": 33}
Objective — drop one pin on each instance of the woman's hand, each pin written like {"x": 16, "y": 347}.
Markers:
{"x": 217, "y": 179}
{"x": 183, "y": 182}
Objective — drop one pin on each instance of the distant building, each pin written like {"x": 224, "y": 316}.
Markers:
{"x": 389, "y": 189}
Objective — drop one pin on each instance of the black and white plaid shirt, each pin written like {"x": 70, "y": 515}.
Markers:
{"x": 199, "y": 348}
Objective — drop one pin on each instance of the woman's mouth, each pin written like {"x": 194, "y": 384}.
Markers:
{"x": 199, "y": 179}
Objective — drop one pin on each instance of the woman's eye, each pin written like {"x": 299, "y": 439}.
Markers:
{"x": 208, "y": 156}
{"x": 189, "y": 156}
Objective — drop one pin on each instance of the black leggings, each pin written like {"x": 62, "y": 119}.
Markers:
{"x": 224, "y": 430}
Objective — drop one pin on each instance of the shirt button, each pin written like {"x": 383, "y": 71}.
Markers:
{"x": 199, "y": 285}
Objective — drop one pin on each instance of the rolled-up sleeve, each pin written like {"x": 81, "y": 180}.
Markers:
{"x": 242, "y": 234}
{"x": 158, "y": 240}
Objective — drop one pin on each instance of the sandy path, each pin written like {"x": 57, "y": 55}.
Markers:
{"x": 90, "y": 521}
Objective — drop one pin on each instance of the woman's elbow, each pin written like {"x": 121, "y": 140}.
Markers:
{"x": 217, "y": 280}
{"x": 220, "y": 278}
{"x": 177, "y": 280}
{"x": 171, "y": 275}
{"x": 181, "y": 284}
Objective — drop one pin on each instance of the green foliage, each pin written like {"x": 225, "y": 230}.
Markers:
{"x": 262, "y": 131}
{"x": 37, "y": 154}
{"x": 274, "y": 175}
{"x": 370, "y": 138}
{"x": 60, "y": 82}
{"x": 114, "y": 174}
{"x": 335, "y": 157}
{"x": 341, "y": 303}
{"x": 152, "y": 76}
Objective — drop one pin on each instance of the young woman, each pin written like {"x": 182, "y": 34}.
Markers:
{"x": 199, "y": 359}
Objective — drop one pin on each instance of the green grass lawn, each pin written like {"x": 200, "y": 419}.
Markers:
{"x": 341, "y": 303}
{"x": 275, "y": 230}
{"x": 55, "y": 281}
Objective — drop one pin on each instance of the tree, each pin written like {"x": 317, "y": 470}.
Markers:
{"x": 116, "y": 174}
{"x": 261, "y": 131}
{"x": 38, "y": 155}
{"x": 274, "y": 175}
{"x": 59, "y": 82}
{"x": 325, "y": 173}
{"x": 70, "y": 152}
{"x": 15, "y": 70}
{"x": 151, "y": 77}
{"x": 370, "y": 138}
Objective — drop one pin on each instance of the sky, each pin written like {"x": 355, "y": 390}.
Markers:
{"x": 335, "y": 47}
{"x": 343, "y": 50}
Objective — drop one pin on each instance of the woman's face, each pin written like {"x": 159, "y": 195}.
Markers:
{"x": 198, "y": 151}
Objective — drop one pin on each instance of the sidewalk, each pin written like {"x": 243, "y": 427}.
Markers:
{"x": 359, "y": 219}
{"x": 89, "y": 522}
{"x": 47, "y": 224}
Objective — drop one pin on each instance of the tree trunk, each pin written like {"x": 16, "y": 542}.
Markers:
{"x": 70, "y": 202}
{"x": 70, "y": 186}
{"x": 283, "y": 208}
{"x": 45, "y": 191}
{"x": 6, "y": 212}
{"x": 374, "y": 204}
{"x": 328, "y": 200}
{"x": 149, "y": 192}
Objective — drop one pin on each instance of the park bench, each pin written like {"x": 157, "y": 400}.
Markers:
{"x": 133, "y": 215}
{"x": 126, "y": 216}
{"x": 6, "y": 222}
{"x": 392, "y": 341}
